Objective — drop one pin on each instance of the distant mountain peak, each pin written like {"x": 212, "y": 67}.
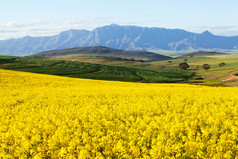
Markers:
{"x": 113, "y": 24}
{"x": 73, "y": 31}
{"x": 206, "y": 33}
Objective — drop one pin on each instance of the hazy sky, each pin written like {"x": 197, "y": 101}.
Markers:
{"x": 48, "y": 17}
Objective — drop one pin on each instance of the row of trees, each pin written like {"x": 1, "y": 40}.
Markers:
{"x": 185, "y": 66}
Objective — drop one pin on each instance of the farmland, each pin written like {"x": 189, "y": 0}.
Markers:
{"x": 78, "y": 69}
{"x": 215, "y": 75}
{"x": 46, "y": 116}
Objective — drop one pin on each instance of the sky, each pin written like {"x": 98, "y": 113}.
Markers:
{"x": 19, "y": 18}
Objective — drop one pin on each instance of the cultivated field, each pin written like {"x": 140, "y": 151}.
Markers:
{"x": 78, "y": 69}
{"x": 215, "y": 75}
{"x": 45, "y": 116}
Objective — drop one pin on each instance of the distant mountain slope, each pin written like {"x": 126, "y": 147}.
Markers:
{"x": 104, "y": 51}
{"x": 206, "y": 40}
{"x": 201, "y": 53}
{"x": 29, "y": 44}
{"x": 120, "y": 37}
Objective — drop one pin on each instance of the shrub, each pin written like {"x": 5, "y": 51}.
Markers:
{"x": 206, "y": 66}
{"x": 222, "y": 64}
{"x": 183, "y": 66}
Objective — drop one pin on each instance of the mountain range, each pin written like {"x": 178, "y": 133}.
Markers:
{"x": 120, "y": 37}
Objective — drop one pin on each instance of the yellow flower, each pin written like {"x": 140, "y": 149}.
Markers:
{"x": 45, "y": 116}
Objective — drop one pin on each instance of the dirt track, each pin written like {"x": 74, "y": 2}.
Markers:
{"x": 230, "y": 78}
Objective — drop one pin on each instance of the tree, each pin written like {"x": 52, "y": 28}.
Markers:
{"x": 206, "y": 66}
{"x": 132, "y": 59}
{"x": 183, "y": 66}
{"x": 222, "y": 64}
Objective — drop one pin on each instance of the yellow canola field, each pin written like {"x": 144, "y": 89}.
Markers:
{"x": 44, "y": 116}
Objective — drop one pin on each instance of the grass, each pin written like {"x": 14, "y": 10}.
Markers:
{"x": 100, "y": 60}
{"x": 104, "y": 68}
{"x": 93, "y": 71}
{"x": 214, "y": 75}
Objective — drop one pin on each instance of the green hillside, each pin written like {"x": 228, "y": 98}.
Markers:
{"x": 215, "y": 75}
{"x": 93, "y": 71}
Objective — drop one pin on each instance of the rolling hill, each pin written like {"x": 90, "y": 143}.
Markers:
{"x": 77, "y": 69}
{"x": 202, "y": 53}
{"x": 104, "y": 52}
{"x": 120, "y": 37}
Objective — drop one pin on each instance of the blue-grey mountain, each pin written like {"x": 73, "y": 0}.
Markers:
{"x": 120, "y": 37}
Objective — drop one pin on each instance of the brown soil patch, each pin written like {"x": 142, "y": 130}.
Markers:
{"x": 230, "y": 78}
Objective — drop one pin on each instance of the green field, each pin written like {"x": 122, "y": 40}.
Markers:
{"x": 93, "y": 71}
{"x": 104, "y": 68}
{"x": 215, "y": 75}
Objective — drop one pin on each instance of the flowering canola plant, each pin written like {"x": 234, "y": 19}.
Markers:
{"x": 45, "y": 116}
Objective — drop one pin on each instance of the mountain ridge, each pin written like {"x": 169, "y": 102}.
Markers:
{"x": 120, "y": 37}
